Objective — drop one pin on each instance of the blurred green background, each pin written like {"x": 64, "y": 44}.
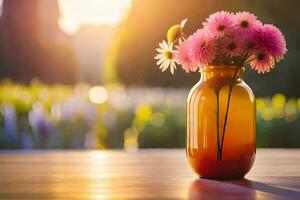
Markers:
{"x": 81, "y": 74}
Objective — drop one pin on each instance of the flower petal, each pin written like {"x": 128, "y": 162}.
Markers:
{"x": 159, "y": 50}
{"x": 161, "y": 45}
{"x": 172, "y": 67}
{"x": 158, "y": 56}
{"x": 183, "y": 22}
{"x": 165, "y": 65}
{"x": 160, "y": 61}
{"x": 165, "y": 45}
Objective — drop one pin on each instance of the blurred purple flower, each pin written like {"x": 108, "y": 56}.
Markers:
{"x": 10, "y": 123}
{"x": 27, "y": 142}
{"x": 39, "y": 122}
{"x": 38, "y": 118}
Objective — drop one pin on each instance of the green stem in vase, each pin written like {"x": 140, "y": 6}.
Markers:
{"x": 227, "y": 109}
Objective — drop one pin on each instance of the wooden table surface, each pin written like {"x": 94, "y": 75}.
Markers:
{"x": 146, "y": 174}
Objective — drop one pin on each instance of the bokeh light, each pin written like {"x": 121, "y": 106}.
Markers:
{"x": 131, "y": 139}
{"x": 157, "y": 119}
{"x": 98, "y": 94}
{"x": 278, "y": 102}
{"x": 291, "y": 110}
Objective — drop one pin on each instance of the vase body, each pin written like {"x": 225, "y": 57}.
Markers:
{"x": 221, "y": 124}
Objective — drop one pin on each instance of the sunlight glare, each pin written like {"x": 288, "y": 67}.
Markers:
{"x": 74, "y": 13}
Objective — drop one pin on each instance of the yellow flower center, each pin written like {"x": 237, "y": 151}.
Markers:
{"x": 168, "y": 55}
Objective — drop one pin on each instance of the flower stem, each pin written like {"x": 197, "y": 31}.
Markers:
{"x": 227, "y": 110}
{"x": 218, "y": 123}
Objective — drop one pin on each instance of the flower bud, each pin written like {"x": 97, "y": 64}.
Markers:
{"x": 174, "y": 33}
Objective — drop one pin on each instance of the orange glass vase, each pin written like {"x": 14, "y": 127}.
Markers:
{"x": 221, "y": 124}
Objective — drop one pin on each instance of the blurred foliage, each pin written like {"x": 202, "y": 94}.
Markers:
{"x": 60, "y": 116}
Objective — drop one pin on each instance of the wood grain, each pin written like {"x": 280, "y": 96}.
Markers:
{"x": 146, "y": 174}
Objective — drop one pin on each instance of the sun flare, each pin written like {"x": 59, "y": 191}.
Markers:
{"x": 74, "y": 13}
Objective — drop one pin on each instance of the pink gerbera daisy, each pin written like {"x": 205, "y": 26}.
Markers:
{"x": 220, "y": 23}
{"x": 262, "y": 62}
{"x": 245, "y": 22}
{"x": 183, "y": 56}
{"x": 202, "y": 47}
{"x": 269, "y": 38}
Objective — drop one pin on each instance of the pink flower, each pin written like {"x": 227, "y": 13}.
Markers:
{"x": 202, "y": 47}
{"x": 183, "y": 56}
{"x": 245, "y": 22}
{"x": 220, "y": 24}
{"x": 262, "y": 62}
{"x": 269, "y": 38}
{"x": 234, "y": 46}
{"x": 248, "y": 46}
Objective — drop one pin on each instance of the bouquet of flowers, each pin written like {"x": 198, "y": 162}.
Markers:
{"x": 226, "y": 39}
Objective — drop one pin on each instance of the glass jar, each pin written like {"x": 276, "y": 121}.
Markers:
{"x": 221, "y": 124}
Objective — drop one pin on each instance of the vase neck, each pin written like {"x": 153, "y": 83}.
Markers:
{"x": 221, "y": 72}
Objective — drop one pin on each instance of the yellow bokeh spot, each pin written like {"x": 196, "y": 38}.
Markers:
{"x": 131, "y": 139}
{"x": 278, "y": 100}
{"x": 142, "y": 116}
{"x": 260, "y": 104}
{"x": 291, "y": 110}
{"x": 143, "y": 112}
{"x": 267, "y": 114}
{"x": 278, "y": 103}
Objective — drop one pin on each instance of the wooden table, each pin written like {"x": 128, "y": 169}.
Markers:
{"x": 146, "y": 174}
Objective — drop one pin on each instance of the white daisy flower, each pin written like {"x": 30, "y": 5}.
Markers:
{"x": 176, "y": 32}
{"x": 166, "y": 57}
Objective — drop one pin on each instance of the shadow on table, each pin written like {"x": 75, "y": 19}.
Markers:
{"x": 242, "y": 189}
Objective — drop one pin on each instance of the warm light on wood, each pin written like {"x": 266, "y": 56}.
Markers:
{"x": 147, "y": 174}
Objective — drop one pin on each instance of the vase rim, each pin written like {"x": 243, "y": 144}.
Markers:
{"x": 211, "y": 67}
